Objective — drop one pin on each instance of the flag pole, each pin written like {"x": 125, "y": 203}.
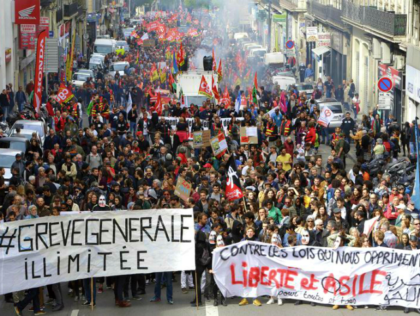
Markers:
{"x": 91, "y": 294}
{"x": 196, "y": 289}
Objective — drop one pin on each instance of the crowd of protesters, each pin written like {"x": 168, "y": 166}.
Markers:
{"x": 131, "y": 159}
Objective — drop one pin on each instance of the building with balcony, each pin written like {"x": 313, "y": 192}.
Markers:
{"x": 292, "y": 19}
{"x": 329, "y": 53}
{"x": 378, "y": 33}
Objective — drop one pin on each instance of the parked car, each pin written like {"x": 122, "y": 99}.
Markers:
{"x": 79, "y": 78}
{"x": 124, "y": 45}
{"x": 87, "y": 71}
{"x": 17, "y": 143}
{"x": 336, "y": 108}
{"x": 7, "y": 158}
{"x": 96, "y": 63}
{"x": 33, "y": 125}
{"x": 284, "y": 81}
{"x": 305, "y": 87}
{"x": 118, "y": 66}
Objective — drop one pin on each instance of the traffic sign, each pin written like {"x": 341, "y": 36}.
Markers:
{"x": 290, "y": 44}
{"x": 385, "y": 84}
{"x": 385, "y": 101}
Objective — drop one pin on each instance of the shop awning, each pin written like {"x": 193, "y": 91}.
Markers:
{"x": 321, "y": 50}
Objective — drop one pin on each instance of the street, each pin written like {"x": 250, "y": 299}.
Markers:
{"x": 105, "y": 307}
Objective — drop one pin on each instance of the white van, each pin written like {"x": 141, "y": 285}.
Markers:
{"x": 104, "y": 46}
{"x": 257, "y": 52}
{"x": 238, "y": 36}
{"x": 275, "y": 59}
{"x": 284, "y": 81}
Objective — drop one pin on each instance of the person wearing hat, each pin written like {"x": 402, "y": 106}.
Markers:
{"x": 338, "y": 215}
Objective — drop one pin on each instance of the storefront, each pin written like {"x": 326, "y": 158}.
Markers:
{"x": 395, "y": 95}
{"x": 412, "y": 84}
{"x": 338, "y": 60}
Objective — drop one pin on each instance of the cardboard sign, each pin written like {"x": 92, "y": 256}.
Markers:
{"x": 246, "y": 137}
{"x": 183, "y": 189}
{"x": 201, "y": 139}
{"x": 149, "y": 43}
{"x": 219, "y": 145}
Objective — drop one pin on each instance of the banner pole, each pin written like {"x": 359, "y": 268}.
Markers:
{"x": 245, "y": 204}
{"x": 196, "y": 289}
{"x": 91, "y": 294}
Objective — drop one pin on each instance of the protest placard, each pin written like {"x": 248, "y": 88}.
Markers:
{"x": 219, "y": 145}
{"x": 201, "y": 139}
{"x": 183, "y": 189}
{"x": 247, "y": 136}
{"x": 55, "y": 249}
{"x": 345, "y": 276}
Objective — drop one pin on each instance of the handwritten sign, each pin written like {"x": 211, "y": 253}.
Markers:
{"x": 246, "y": 136}
{"x": 342, "y": 276}
{"x": 55, "y": 249}
{"x": 219, "y": 145}
{"x": 183, "y": 189}
{"x": 201, "y": 139}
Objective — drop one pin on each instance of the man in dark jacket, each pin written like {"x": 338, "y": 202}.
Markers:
{"x": 347, "y": 125}
{"x": 202, "y": 260}
{"x": 20, "y": 98}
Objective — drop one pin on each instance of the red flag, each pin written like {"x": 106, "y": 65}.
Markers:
{"x": 39, "y": 70}
{"x": 256, "y": 81}
{"x": 214, "y": 61}
{"x": 181, "y": 56}
{"x": 220, "y": 71}
{"x": 64, "y": 94}
{"x": 233, "y": 185}
{"x": 158, "y": 106}
{"x": 214, "y": 89}
{"x": 204, "y": 88}
{"x": 226, "y": 98}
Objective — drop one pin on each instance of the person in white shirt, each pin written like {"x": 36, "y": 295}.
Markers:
{"x": 248, "y": 166}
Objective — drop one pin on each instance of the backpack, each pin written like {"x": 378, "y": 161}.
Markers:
{"x": 346, "y": 147}
{"x": 205, "y": 257}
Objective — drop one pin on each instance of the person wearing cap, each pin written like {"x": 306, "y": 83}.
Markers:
{"x": 338, "y": 217}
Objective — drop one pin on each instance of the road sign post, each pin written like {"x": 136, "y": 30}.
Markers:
{"x": 385, "y": 84}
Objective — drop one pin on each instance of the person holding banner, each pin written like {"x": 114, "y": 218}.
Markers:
{"x": 202, "y": 261}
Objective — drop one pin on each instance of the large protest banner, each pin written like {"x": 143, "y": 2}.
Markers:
{"x": 355, "y": 276}
{"x": 55, "y": 249}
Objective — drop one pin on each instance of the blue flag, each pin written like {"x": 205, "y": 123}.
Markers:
{"x": 416, "y": 193}
{"x": 174, "y": 65}
{"x": 238, "y": 103}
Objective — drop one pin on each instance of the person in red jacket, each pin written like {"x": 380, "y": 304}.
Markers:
{"x": 311, "y": 135}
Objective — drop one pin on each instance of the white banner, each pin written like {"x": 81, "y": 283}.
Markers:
{"x": 54, "y": 249}
{"x": 345, "y": 276}
{"x": 325, "y": 117}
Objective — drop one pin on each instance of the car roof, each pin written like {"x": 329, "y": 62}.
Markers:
{"x": 26, "y": 131}
{"x": 121, "y": 62}
{"x": 14, "y": 138}
{"x": 327, "y": 100}
{"x": 9, "y": 152}
{"x": 27, "y": 122}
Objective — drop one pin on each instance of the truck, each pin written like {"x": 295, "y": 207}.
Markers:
{"x": 189, "y": 83}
